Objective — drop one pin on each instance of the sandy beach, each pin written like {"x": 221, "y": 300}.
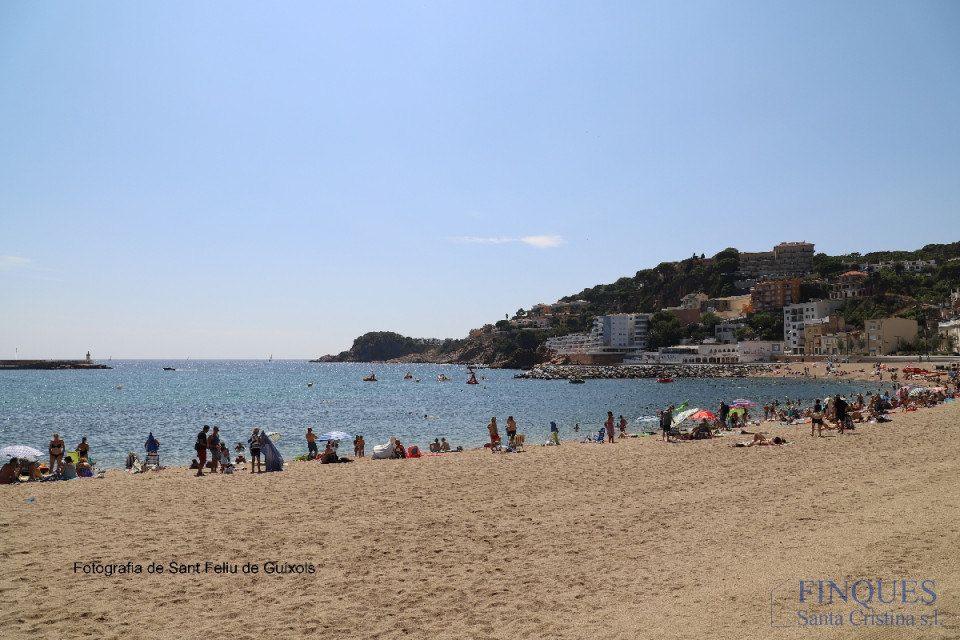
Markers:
{"x": 640, "y": 538}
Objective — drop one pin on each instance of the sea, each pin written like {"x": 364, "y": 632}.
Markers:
{"x": 116, "y": 409}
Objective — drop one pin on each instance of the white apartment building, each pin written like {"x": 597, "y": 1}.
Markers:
{"x": 795, "y": 316}
{"x": 622, "y": 333}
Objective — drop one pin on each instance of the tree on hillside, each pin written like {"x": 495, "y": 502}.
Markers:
{"x": 664, "y": 330}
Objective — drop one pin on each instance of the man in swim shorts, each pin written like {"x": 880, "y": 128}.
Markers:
{"x": 311, "y": 443}
{"x": 494, "y": 432}
{"x": 201, "y": 448}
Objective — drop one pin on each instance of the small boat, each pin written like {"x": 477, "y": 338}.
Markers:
{"x": 169, "y": 369}
{"x": 576, "y": 381}
{"x": 664, "y": 379}
{"x": 309, "y": 384}
{"x": 473, "y": 380}
{"x": 442, "y": 378}
{"x": 408, "y": 376}
{"x": 371, "y": 378}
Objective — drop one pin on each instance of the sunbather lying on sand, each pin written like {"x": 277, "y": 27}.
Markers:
{"x": 760, "y": 440}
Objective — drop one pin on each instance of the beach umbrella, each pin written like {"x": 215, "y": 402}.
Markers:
{"x": 683, "y": 415}
{"x": 702, "y": 415}
{"x": 335, "y": 435}
{"x": 20, "y": 451}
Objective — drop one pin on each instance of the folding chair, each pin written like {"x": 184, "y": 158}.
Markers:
{"x": 152, "y": 461}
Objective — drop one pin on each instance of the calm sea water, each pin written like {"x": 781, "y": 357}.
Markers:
{"x": 238, "y": 395}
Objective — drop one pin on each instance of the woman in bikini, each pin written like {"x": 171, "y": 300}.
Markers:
{"x": 83, "y": 449}
{"x": 56, "y": 449}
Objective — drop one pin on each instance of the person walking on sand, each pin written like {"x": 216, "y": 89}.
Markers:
{"x": 254, "y": 443}
{"x": 494, "y": 432}
{"x": 311, "y": 444}
{"x": 56, "y": 449}
{"x": 608, "y": 425}
{"x": 554, "y": 433}
{"x": 201, "y": 448}
{"x": 213, "y": 444}
{"x": 623, "y": 427}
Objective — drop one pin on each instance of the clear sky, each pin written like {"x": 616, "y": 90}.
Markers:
{"x": 213, "y": 179}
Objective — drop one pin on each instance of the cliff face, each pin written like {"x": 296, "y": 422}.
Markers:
{"x": 481, "y": 350}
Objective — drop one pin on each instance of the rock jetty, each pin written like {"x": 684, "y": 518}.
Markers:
{"x": 50, "y": 364}
{"x": 585, "y": 372}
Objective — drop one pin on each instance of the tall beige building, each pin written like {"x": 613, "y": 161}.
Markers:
{"x": 887, "y": 335}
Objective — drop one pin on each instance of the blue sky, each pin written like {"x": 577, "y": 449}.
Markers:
{"x": 240, "y": 179}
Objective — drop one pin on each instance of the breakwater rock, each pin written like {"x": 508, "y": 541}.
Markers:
{"x": 50, "y": 364}
{"x": 585, "y": 372}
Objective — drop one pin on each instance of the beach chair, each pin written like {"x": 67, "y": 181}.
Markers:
{"x": 152, "y": 461}
{"x": 516, "y": 442}
{"x": 599, "y": 437}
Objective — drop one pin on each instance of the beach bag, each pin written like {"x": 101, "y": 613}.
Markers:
{"x": 413, "y": 452}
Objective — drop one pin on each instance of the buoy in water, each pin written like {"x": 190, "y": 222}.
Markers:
{"x": 119, "y": 386}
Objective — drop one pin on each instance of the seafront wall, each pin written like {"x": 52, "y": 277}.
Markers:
{"x": 564, "y": 371}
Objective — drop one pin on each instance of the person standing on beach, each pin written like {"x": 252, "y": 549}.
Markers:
{"x": 666, "y": 421}
{"x": 83, "y": 449}
{"x": 213, "y": 444}
{"x": 554, "y": 433}
{"x": 623, "y": 427}
{"x": 511, "y": 428}
{"x": 311, "y": 444}
{"x": 254, "y": 443}
{"x": 56, "y": 448}
{"x": 816, "y": 418}
{"x": 494, "y": 432}
{"x": 611, "y": 436}
{"x": 201, "y": 448}
{"x": 724, "y": 412}
{"x": 840, "y": 411}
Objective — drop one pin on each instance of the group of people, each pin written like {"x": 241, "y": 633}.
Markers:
{"x": 57, "y": 449}
{"x": 18, "y": 468}
{"x": 514, "y": 439}
{"x": 62, "y": 466}
{"x": 263, "y": 452}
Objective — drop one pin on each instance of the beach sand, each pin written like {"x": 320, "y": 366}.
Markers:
{"x": 636, "y": 539}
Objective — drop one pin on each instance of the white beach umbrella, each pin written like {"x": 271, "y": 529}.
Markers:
{"x": 20, "y": 451}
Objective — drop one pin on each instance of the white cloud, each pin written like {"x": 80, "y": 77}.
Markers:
{"x": 541, "y": 242}
{"x": 12, "y": 262}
